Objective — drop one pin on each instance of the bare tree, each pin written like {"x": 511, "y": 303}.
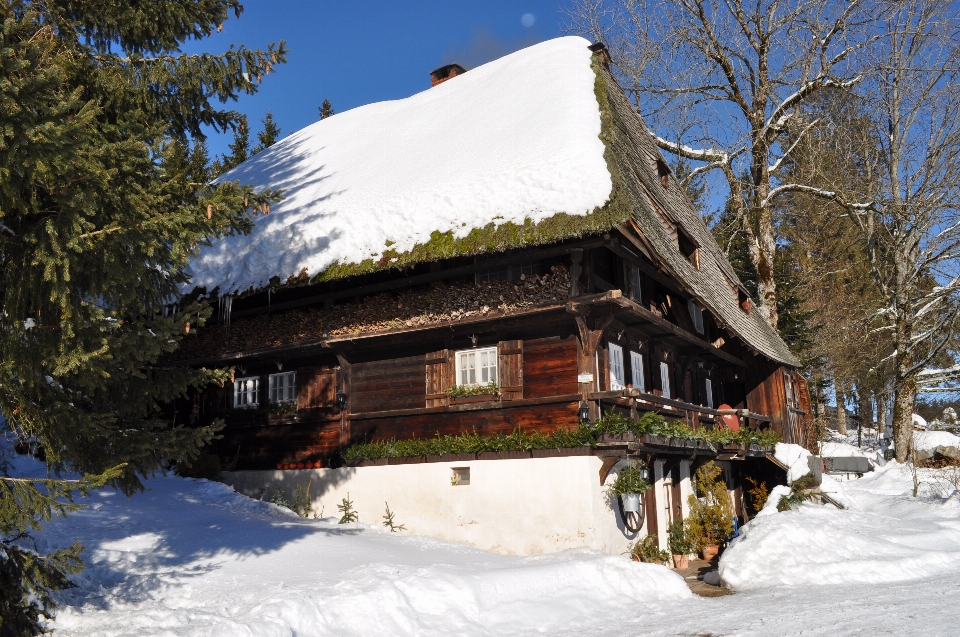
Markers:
{"x": 912, "y": 228}
{"x": 723, "y": 83}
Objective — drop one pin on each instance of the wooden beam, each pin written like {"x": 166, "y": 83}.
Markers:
{"x": 429, "y": 277}
{"x": 669, "y": 402}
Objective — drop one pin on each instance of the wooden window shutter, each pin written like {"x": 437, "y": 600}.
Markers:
{"x": 316, "y": 388}
{"x": 510, "y": 369}
{"x": 439, "y": 376}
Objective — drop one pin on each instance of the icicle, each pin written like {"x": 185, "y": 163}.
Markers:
{"x": 226, "y": 308}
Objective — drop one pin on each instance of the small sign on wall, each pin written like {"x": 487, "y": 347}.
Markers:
{"x": 584, "y": 378}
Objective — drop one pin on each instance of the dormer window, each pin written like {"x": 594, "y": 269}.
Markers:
{"x": 744, "y": 299}
{"x": 688, "y": 247}
{"x": 663, "y": 171}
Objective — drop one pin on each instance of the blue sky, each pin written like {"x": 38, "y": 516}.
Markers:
{"x": 365, "y": 51}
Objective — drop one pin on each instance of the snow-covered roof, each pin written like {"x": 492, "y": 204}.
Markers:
{"x": 515, "y": 140}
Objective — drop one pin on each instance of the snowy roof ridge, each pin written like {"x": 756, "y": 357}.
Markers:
{"x": 507, "y": 154}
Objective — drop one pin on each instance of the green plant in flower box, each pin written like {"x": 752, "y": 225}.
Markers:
{"x": 460, "y": 391}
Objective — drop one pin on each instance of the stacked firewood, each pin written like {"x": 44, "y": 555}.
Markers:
{"x": 385, "y": 311}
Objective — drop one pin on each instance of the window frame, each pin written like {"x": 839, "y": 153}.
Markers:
{"x": 636, "y": 371}
{"x": 615, "y": 364}
{"x": 291, "y": 388}
{"x": 255, "y": 392}
{"x": 477, "y": 352}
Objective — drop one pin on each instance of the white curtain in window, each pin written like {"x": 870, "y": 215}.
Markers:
{"x": 245, "y": 392}
{"x": 665, "y": 379}
{"x": 477, "y": 367}
{"x": 617, "y": 377}
{"x": 636, "y": 369}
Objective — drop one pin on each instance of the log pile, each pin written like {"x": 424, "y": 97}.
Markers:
{"x": 380, "y": 312}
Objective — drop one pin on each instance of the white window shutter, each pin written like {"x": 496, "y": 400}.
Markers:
{"x": 615, "y": 358}
{"x": 636, "y": 369}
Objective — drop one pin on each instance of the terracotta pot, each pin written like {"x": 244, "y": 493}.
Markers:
{"x": 710, "y": 551}
{"x": 636, "y": 559}
{"x": 681, "y": 561}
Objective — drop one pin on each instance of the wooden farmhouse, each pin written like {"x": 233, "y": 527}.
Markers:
{"x": 506, "y": 250}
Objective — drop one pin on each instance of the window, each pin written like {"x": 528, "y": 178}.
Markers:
{"x": 617, "y": 378}
{"x": 505, "y": 272}
{"x": 477, "y": 367}
{"x": 696, "y": 313}
{"x": 636, "y": 367}
{"x": 665, "y": 379}
{"x": 246, "y": 392}
{"x": 688, "y": 247}
{"x": 709, "y": 384}
{"x": 634, "y": 291}
{"x": 283, "y": 387}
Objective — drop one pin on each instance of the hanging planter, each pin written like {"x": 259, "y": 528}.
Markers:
{"x": 631, "y": 502}
{"x": 627, "y": 490}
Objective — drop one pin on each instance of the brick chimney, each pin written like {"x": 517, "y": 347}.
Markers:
{"x": 444, "y": 73}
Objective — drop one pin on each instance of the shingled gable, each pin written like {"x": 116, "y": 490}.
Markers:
{"x": 479, "y": 182}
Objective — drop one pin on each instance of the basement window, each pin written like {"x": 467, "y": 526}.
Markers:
{"x": 246, "y": 392}
{"x": 688, "y": 247}
{"x": 283, "y": 387}
{"x": 477, "y": 367}
{"x": 696, "y": 314}
{"x": 460, "y": 476}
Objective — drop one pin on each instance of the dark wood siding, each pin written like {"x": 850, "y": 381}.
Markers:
{"x": 545, "y": 418}
{"x": 264, "y": 447}
{"x": 550, "y": 367}
{"x": 396, "y": 383}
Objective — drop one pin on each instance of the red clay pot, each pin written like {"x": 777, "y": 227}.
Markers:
{"x": 710, "y": 551}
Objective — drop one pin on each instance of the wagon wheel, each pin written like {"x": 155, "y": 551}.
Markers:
{"x": 633, "y": 520}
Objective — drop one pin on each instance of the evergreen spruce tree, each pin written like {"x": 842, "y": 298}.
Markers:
{"x": 269, "y": 135}
{"x": 239, "y": 147}
{"x": 102, "y": 205}
{"x": 326, "y": 109}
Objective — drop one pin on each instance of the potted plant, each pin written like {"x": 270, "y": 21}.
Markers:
{"x": 711, "y": 515}
{"x": 646, "y": 550}
{"x": 680, "y": 544}
{"x": 629, "y": 486}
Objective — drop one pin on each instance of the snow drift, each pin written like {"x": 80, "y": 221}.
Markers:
{"x": 884, "y": 535}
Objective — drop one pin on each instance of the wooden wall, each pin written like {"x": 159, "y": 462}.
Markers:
{"x": 384, "y": 385}
{"x": 550, "y": 367}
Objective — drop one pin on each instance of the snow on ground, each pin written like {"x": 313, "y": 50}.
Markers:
{"x": 193, "y": 558}
{"x": 514, "y": 139}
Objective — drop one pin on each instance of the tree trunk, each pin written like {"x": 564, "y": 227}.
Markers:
{"x": 841, "y": 407}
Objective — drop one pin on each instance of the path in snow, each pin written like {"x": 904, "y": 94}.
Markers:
{"x": 189, "y": 557}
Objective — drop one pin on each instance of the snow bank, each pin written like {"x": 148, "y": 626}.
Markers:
{"x": 511, "y": 140}
{"x": 795, "y": 458}
{"x": 887, "y": 537}
{"x": 191, "y": 557}
{"x": 927, "y": 443}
